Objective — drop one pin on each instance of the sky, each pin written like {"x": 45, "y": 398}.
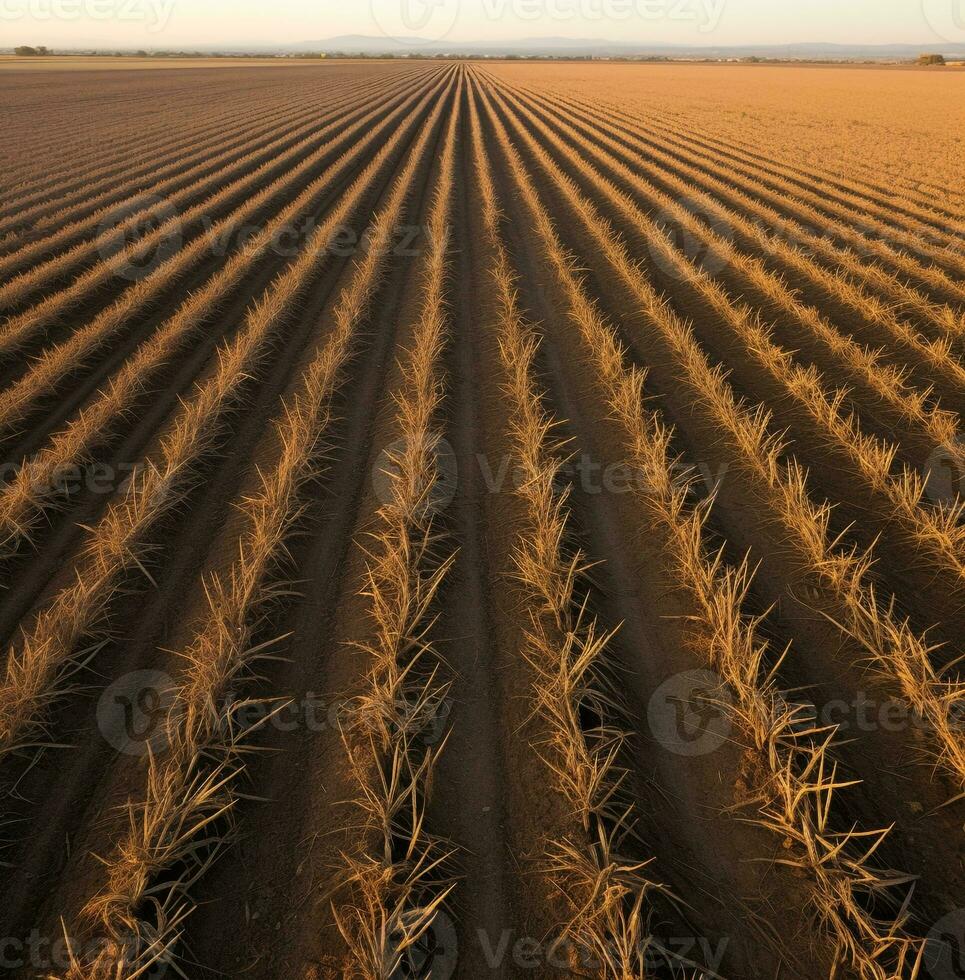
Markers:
{"x": 169, "y": 23}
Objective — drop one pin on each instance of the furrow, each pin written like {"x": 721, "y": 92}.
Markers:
{"x": 932, "y": 529}
{"x": 150, "y": 252}
{"x": 902, "y": 655}
{"x": 935, "y": 356}
{"x": 187, "y": 793}
{"x": 796, "y": 800}
{"x": 156, "y": 175}
{"x": 859, "y": 230}
{"x": 109, "y": 229}
{"x": 858, "y": 254}
{"x": 606, "y": 897}
{"x": 39, "y": 665}
{"x": 71, "y": 356}
{"x": 398, "y": 879}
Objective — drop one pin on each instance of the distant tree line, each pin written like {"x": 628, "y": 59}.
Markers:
{"x": 25, "y": 50}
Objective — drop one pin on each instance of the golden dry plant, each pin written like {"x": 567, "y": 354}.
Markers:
{"x": 401, "y": 877}
{"x": 608, "y": 894}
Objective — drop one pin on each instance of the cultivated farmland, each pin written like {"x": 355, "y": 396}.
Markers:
{"x": 482, "y": 519}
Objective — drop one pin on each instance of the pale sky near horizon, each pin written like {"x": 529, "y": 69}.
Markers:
{"x": 169, "y": 23}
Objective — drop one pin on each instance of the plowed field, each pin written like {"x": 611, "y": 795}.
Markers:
{"x": 482, "y": 519}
